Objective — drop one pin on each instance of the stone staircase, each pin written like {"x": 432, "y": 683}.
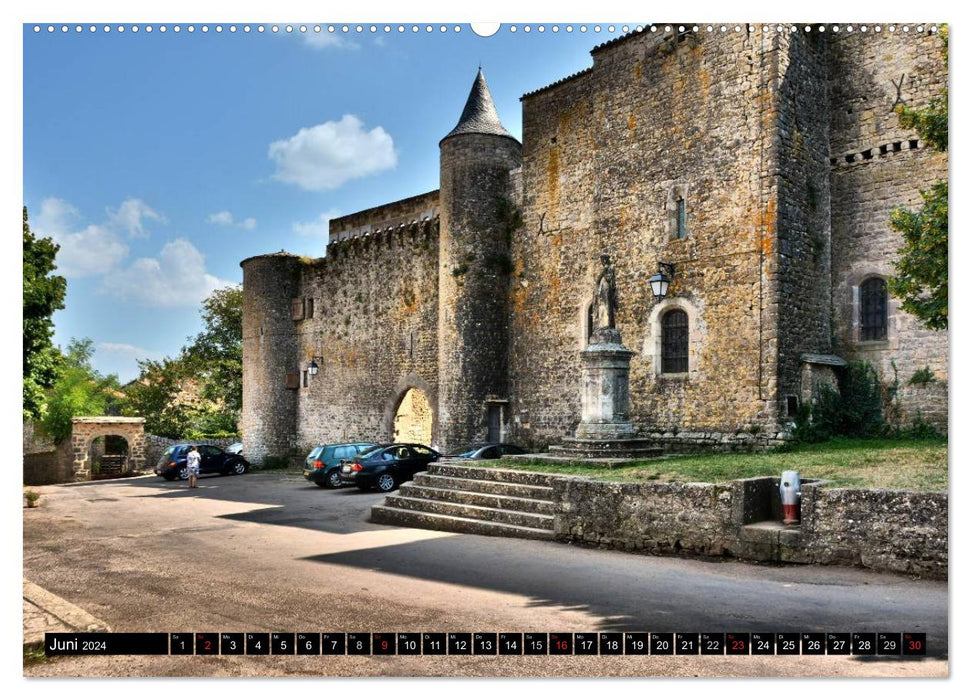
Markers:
{"x": 473, "y": 500}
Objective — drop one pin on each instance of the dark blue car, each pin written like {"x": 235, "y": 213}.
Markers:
{"x": 172, "y": 464}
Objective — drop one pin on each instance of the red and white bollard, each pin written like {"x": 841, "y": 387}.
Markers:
{"x": 789, "y": 490}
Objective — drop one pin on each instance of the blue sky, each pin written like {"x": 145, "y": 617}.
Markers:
{"x": 159, "y": 161}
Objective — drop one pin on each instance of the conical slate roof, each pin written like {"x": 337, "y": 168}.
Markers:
{"x": 480, "y": 115}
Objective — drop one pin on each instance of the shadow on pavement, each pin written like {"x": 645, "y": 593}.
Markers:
{"x": 290, "y": 499}
{"x": 633, "y": 592}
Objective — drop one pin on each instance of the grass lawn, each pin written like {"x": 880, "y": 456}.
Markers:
{"x": 919, "y": 465}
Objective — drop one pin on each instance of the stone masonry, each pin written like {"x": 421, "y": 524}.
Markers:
{"x": 788, "y": 158}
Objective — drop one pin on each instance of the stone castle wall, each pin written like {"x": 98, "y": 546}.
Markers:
{"x": 473, "y": 278}
{"x": 605, "y": 156}
{"x": 877, "y": 165}
{"x": 373, "y": 333}
{"x": 789, "y": 158}
{"x": 801, "y": 290}
{"x": 269, "y": 421}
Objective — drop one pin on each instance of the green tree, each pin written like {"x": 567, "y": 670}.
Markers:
{"x": 155, "y": 395}
{"x": 921, "y": 279}
{"x": 43, "y": 295}
{"x": 215, "y": 356}
{"x": 79, "y": 391}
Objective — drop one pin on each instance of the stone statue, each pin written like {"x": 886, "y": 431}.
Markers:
{"x": 605, "y": 296}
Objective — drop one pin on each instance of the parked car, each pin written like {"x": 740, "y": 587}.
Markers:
{"x": 235, "y": 449}
{"x": 488, "y": 450}
{"x": 172, "y": 464}
{"x": 323, "y": 464}
{"x": 387, "y": 466}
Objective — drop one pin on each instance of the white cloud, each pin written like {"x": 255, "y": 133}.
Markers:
{"x": 221, "y": 218}
{"x": 93, "y": 250}
{"x": 327, "y": 155}
{"x": 177, "y": 277}
{"x": 121, "y": 359}
{"x": 55, "y": 217}
{"x": 128, "y": 350}
{"x": 130, "y": 214}
{"x": 226, "y": 218}
{"x": 318, "y": 228}
{"x": 326, "y": 40}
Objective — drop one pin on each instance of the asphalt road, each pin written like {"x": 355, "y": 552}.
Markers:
{"x": 267, "y": 552}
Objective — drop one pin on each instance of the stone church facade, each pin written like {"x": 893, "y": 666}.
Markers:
{"x": 762, "y": 165}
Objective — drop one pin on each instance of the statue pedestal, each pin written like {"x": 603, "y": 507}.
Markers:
{"x": 605, "y": 395}
{"x": 605, "y": 432}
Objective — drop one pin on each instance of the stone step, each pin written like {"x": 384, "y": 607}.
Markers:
{"x": 509, "y": 476}
{"x": 476, "y": 498}
{"x": 500, "y": 488}
{"x": 464, "y": 510}
{"x": 386, "y": 515}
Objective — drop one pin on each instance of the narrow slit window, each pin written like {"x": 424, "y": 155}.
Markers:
{"x": 682, "y": 226}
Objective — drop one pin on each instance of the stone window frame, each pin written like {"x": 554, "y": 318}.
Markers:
{"x": 855, "y": 282}
{"x": 653, "y": 342}
{"x": 677, "y": 193}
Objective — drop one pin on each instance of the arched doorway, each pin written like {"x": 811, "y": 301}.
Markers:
{"x": 109, "y": 457}
{"x": 413, "y": 418}
{"x": 86, "y": 430}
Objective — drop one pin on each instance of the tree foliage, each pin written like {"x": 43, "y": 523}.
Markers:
{"x": 215, "y": 355}
{"x": 921, "y": 269}
{"x": 157, "y": 396}
{"x": 43, "y": 295}
{"x": 199, "y": 393}
{"x": 78, "y": 391}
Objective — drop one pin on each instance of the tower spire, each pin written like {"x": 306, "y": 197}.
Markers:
{"x": 480, "y": 115}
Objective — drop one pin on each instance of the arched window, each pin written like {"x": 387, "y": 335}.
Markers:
{"x": 674, "y": 342}
{"x": 873, "y": 309}
{"x": 589, "y": 322}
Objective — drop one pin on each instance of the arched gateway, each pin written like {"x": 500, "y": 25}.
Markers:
{"x": 413, "y": 418}
{"x": 85, "y": 430}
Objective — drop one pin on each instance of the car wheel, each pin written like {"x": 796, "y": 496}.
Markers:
{"x": 184, "y": 473}
{"x": 334, "y": 479}
{"x": 386, "y": 483}
{"x": 239, "y": 468}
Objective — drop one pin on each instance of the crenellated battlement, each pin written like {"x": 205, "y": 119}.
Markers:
{"x": 414, "y": 232}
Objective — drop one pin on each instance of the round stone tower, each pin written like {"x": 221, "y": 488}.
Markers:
{"x": 473, "y": 276}
{"x": 270, "y": 354}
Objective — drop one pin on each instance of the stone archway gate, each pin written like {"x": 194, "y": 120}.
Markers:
{"x": 85, "y": 429}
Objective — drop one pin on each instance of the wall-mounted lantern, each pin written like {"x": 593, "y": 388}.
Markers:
{"x": 662, "y": 280}
{"x": 313, "y": 367}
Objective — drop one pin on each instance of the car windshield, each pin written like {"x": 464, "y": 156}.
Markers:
{"x": 468, "y": 451}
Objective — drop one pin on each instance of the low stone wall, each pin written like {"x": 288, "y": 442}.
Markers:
{"x": 898, "y": 531}
{"x": 903, "y": 531}
{"x": 50, "y": 467}
{"x": 656, "y": 518}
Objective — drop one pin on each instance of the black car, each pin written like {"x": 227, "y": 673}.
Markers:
{"x": 387, "y": 466}
{"x": 488, "y": 450}
{"x": 172, "y": 464}
{"x": 323, "y": 464}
